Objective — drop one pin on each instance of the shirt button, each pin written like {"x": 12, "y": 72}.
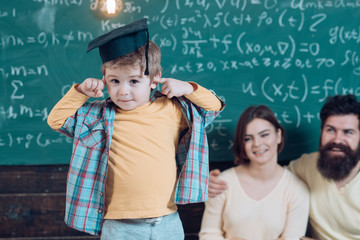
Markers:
{"x": 101, "y": 194}
{"x": 99, "y": 211}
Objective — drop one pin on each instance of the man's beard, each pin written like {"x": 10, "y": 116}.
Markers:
{"x": 337, "y": 168}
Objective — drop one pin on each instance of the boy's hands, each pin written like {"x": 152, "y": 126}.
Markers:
{"x": 92, "y": 87}
{"x": 174, "y": 88}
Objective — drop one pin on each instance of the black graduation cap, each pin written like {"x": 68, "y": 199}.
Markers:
{"x": 122, "y": 40}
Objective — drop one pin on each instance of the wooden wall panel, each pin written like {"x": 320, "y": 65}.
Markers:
{"x": 32, "y": 205}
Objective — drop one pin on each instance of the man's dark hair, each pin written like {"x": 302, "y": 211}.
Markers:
{"x": 340, "y": 105}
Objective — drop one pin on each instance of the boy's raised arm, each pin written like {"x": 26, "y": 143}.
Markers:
{"x": 92, "y": 87}
{"x": 73, "y": 100}
{"x": 204, "y": 98}
{"x": 174, "y": 88}
{"x": 198, "y": 95}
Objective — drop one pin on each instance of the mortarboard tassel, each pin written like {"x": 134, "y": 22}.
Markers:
{"x": 147, "y": 54}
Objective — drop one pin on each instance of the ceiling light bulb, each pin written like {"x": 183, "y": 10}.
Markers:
{"x": 111, "y": 6}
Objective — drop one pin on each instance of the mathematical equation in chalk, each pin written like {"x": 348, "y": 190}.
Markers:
{"x": 31, "y": 140}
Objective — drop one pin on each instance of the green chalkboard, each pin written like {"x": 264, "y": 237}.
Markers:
{"x": 290, "y": 55}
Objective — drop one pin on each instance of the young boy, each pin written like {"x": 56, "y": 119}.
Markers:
{"x": 129, "y": 144}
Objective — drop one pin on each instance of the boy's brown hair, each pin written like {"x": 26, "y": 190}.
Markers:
{"x": 137, "y": 57}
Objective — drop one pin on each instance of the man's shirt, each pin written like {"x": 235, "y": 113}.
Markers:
{"x": 334, "y": 213}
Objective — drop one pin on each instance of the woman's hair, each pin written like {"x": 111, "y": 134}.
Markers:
{"x": 137, "y": 58}
{"x": 252, "y": 112}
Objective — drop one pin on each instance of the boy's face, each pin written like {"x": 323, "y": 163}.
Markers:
{"x": 128, "y": 87}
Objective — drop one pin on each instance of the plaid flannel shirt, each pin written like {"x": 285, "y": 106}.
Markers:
{"x": 92, "y": 127}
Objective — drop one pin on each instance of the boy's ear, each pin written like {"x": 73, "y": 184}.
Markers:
{"x": 155, "y": 81}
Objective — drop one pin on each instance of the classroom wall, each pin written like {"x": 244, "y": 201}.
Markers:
{"x": 32, "y": 205}
{"x": 289, "y": 55}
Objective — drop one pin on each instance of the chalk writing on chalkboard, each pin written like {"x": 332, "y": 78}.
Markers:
{"x": 290, "y": 55}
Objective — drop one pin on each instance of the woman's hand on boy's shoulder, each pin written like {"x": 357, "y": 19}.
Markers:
{"x": 174, "y": 88}
{"x": 92, "y": 87}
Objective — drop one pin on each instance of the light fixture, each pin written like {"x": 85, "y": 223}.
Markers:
{"x": 111, "y": 7}
{"x": 107, "y": 8}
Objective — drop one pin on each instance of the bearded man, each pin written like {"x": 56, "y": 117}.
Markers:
{"x": 332, "y": 174}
